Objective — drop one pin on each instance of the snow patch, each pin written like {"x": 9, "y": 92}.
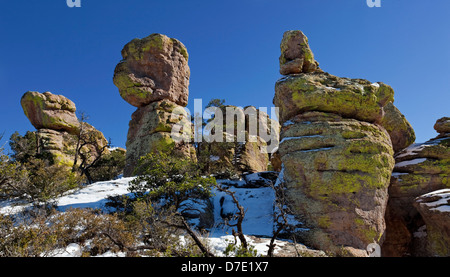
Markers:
{"x": 287, "y": 123}
{"x": 300, "y": 137}
{"x": 411, "y": 162}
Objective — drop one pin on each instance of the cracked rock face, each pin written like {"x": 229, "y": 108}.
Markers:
{"x": 150, "y": 131}
{"x": 337, "y": 174}
{"x": 153, "y": 69}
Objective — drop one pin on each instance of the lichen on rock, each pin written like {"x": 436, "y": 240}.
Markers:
{"x": 153, "y": 68}
{"x": 336, "y": 156}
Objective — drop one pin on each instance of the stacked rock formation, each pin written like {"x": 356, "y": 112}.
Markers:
{"x": 58, "y": 126}
{"x": 336, "y": 157}
{"x": 154, "y": 77}
{"x": 247, "y": 145}
{"x": 420, "y": 169}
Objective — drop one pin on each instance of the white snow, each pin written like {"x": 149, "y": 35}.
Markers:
{"x": 375, "y": 85}
{"x": 337, "y": 89}
{"x": 318, "y": 149}
{"x": 287, "y": 123}
{"x": 94, "y": 196}
{"x": 397, "y": 175}
{"x": 442, "y": 204}
{"x": 258, "y": 220}
{"x": 258, "y": 204}
{"x": 300, "y": 137}
{"x": 416, "y": 148}
{"x": 411, "y": 162}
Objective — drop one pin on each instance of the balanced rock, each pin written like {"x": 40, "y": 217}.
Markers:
{"x": 434, "y": 208}
{"x": 50, "y": 111}
{"x": 153, "y": 69}
{"x": 154, "y": 77}
{"x": 336, "y": 158}
{"x": 58, "y": 128}
{"x": 420, "y": 169}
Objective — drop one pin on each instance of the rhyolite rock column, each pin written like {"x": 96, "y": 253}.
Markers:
{"x": 154, "y": 77}
{"x": 336, "y": 157}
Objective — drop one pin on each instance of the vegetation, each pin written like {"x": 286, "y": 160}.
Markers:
{"x": 153, "y": 220}
{"x": 163, "y": 184}
{"x": 31, "y": 174}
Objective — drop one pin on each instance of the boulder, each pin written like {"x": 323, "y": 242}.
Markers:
{"x": 50, "y": 111}
{"x": 442, "y": 126}
{"x": 350, "y": 98}
{"x": 296, "y": 56}
{"x": 153, "y": 68}
{"x": 434, "y": 208}
{"x": 400, "y": 130}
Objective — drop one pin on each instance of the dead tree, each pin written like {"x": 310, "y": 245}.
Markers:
{"x": 240, "y": 217}
{"x": 89, "y": 148}
{"x": 280, "y": 216}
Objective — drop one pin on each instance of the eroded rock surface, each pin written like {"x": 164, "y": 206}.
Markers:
{"x": 336, "y": 157}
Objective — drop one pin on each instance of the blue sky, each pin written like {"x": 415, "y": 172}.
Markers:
{"x": 233, "y": 47}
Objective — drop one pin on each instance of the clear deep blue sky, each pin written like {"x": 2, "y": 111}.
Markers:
{"x": 233, "y": 47}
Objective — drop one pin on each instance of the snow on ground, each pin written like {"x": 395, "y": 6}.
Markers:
{"x": 442, "y": 200}
{"x": 258, "y": 204}
{"x": 95, "y": 195}
{"x": 410, "y": 162}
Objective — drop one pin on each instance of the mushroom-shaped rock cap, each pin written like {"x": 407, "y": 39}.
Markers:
{"x": 50, "y": 111}
{"x": 296, "y": 56}
{"x": 153, "y": 69}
